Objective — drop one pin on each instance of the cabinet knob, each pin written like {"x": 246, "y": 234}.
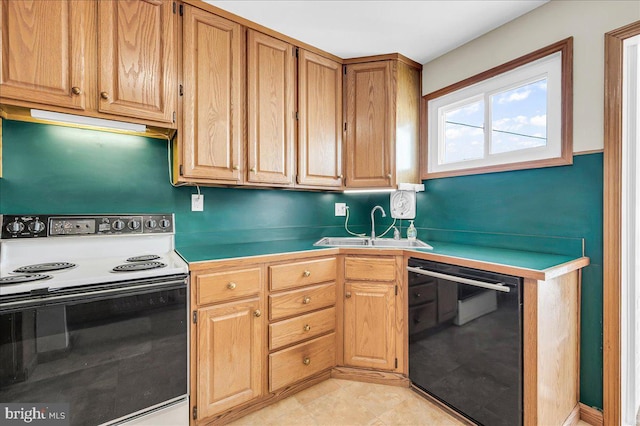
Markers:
{"x": 257, "y": 313}
{"x": 236, "y": 167}
{"x": 418, "y": 294}
{"x": 76, "y": 90}
{"x": 307, "y": 327}
{"x": 104, "y": 95}
{"x": 231, "y": 285}
{"x": 389, "y": 176}
{"x": 306, "y": 273}
{"x": 306, "y": 360}
{"x": 252, "y": 170}
{"x": 306, "y": 300}
{"x": 347, "y": 295}
{"x": 340, "y": 176}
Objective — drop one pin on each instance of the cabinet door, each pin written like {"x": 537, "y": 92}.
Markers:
{"x": 212, "y": 135}
{"x": 369, "y": 325}
{"x": 137, "y": 59}
{"x": 320, "y": 120}
{"x": 229, "y": 356}
{"x": 270, "y": 109}
{"x": 370, "y": 140}
{"x": 44, "y": 51}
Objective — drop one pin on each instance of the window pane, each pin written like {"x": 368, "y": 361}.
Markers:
{"x": 464, "y": 133}
{"x": 519, "y": 118}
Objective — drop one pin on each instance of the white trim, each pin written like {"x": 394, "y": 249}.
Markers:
{"x": 549, "y": 67}
{"x": 630, "y": 255}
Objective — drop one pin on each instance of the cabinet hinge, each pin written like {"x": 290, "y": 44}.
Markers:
{"x": 174, "y": 7}
{"x": 174, "y": 116}
{"x": 294, "y": 51}
{"x": 344, "y": 70}
{"x": 181, "y": 10}
{"x": 396, "y": 290}
{"x": 296, "y": 115}
{"x": 396, "y": 362}
{"x": 195, "y": 413}
{"x": 345, "y": 126}
{"x": 181, "y": 170}
{"x": 195, "y": 317}
{"x": 181, "y": 90}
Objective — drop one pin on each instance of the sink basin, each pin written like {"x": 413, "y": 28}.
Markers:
{"x": 368, "y": 242}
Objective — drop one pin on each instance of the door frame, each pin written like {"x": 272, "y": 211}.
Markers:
{"x": 612, "y": 282}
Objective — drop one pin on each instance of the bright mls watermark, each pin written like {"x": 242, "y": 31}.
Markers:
{"x": 34, "y": 413}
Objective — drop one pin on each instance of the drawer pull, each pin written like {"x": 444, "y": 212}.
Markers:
{"x": 306, "y": 360}
{"x": 307, "y": 327}
{"x": 348, "y": 295}
{"x": 418, "y": 294}
{"x": 76, "y": 90}
{"x": 231, "y": 285}
{"x": 306, "y": 273}
{"x": 257, "y": 313}
{"x": 236, "y": 167}
{"x": 306, "y": 300}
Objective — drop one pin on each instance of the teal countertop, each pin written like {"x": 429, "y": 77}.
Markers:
{"x": 442, "y": 251}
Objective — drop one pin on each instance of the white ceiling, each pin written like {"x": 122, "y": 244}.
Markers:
{"x": 420, "y": 30}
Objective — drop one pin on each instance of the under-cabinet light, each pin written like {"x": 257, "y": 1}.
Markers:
{"x": 363, "y": 191}
{"x": 87, "y": 121}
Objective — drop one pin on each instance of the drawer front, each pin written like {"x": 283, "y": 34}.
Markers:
{"x": 298, "y": 274}
{"x": 300, "y": 301}
{"x": 370, "y": 268}
{"x": 422, "y": 293}
{"x": 300, "y": 328}
{"x": 422, "y": 317}
{"x": 222, "y": 286}
{"x": 301, "y": 361}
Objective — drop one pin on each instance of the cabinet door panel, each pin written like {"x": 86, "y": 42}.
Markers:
{"x": 44, "y": 51}
{"x": 369, "y": 318}
{"x": 212, "y": 133}
{"x": 320, "y": 120}
{"x": 271, "y": 89}
{"x": 137, "y": 63}
{"x": 370, "y": 124}
{"x": 229, "y": 356}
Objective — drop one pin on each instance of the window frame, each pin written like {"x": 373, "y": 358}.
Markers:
{"x": 565, "y": 48}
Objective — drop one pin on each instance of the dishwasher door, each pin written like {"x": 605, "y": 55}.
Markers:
{"x": 470, "y": 354}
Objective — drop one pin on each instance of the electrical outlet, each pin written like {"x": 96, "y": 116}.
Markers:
{"x": 341, "y": 209}
{"x": 197, "y": 202}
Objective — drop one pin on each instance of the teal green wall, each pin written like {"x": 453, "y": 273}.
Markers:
{"x": 53, "y": 169}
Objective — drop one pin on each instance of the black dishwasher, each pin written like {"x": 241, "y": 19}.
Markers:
{"x": 465, "y": 340}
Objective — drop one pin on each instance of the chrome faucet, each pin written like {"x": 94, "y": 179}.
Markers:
{"x": 373, "y": 223}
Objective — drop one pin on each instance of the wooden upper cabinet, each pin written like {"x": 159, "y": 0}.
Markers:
{"x": 213, "y": 73}
{"x": 270, "y": 109}
{"x": 136, "y": 59}
{"x": 44, "y": 51}
{"x": 382, "y": 122}
{"x": 320, "y": 120}
{"x": 370, "y": 139}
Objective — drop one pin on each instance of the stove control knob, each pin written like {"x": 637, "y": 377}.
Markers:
{"x": 165, "y": 223}
{"x": 118, "y": 225}
{"x": 151, "y": 223}
{"x": 36, "y": 226}
{"x": 134, "y": 224}
{"x": 15, "y": 227}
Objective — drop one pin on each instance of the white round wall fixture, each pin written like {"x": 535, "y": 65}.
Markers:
{"x": 403, "y": 205}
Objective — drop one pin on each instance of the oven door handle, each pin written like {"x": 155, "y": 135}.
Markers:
{"x": 476, "y": 283}
{"x": 97, "y": 294}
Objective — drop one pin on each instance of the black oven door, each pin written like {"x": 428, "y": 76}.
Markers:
{"x": 109, "y": 351}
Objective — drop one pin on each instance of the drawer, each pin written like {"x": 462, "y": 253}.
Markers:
{"x": 422, "y": 317}
{"x": 298, "y": 274}
{"x": 370, "y": 268}
{"x": 301, "y": 361}
{"x": 300, "y": 301}
{"x": 422, "y": 293}
{"x": 222, "y": 286}
{"x": 300, "y": 328}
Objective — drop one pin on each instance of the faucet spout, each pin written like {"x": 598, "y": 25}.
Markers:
{"x": 373, "y": 223}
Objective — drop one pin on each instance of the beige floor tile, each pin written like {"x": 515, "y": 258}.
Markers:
{"x": 415, "y": 412}
{"x": 270, "y": 414}
{"x": 339, "y": 408}
{"x": 314, "y": 392}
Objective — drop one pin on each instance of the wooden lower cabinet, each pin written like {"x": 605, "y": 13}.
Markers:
{"x": 369, "y": 325}
{"x": 230, "y": 352}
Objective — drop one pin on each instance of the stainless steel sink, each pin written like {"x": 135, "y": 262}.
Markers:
{"x": 368, "y": 242}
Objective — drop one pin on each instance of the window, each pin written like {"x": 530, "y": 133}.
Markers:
{"x": 514, "y": 116}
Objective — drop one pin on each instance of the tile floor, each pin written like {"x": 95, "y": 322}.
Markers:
{"x": 346, "y": 403}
